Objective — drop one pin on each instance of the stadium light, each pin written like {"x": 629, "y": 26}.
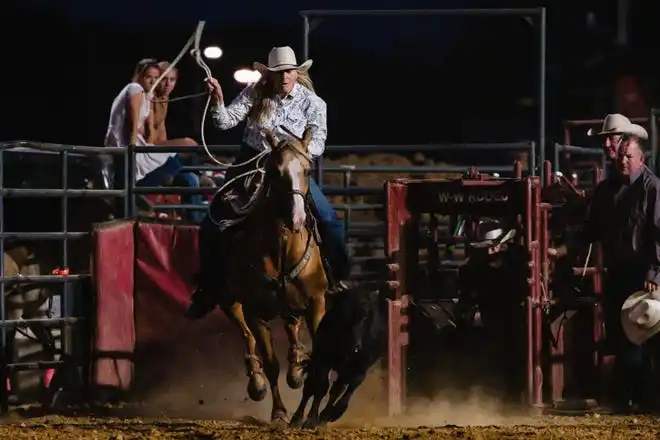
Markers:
{"x": 247, "y": 76}
{"x": 212, "y": 52}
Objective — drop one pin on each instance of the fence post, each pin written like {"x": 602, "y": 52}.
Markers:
{"x": 129, "y": 171}
{"x": 4, "y": 404}
{"x": 347, "y": 212}
{"x": 653, "y": 139}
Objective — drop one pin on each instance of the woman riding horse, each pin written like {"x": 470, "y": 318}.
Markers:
{"x": 284, "y": 102}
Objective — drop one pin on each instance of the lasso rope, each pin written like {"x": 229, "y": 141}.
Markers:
{"x": 194, "y": 41}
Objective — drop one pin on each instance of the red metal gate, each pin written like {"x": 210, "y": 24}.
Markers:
{"x": 406, "y": 202}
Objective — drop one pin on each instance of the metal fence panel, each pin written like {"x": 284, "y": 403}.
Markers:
{"x": 69, "y": 318}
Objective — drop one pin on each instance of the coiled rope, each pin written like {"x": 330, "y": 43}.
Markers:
{"x": 193, "y": 44}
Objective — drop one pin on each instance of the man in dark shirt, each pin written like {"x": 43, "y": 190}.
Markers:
{"x": 631, "y": 247}
{"x": 625, "y": 218}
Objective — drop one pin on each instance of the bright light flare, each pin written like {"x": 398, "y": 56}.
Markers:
{"x": 247, "y": 76}
{"x": 212, "y": 52}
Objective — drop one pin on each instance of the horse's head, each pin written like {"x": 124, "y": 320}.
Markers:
{"x": 287, "y": 175}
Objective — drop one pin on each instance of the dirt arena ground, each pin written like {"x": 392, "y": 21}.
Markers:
{"x": 196, "y": 410}
{"x": 117, "y": 428}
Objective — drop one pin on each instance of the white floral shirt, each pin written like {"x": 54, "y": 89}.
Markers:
{"x": 299, "y": 109}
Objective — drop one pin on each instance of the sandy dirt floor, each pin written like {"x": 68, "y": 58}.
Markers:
{"x": 201, "y": 394}
{"x": 204, "y": 401}
{"x": 60, "y": 428}
{"x": 225, "y": 413}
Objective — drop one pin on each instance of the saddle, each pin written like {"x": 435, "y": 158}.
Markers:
{"x": 233, "y": 204}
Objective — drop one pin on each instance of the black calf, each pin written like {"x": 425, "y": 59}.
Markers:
{"x": 351, "y": 337}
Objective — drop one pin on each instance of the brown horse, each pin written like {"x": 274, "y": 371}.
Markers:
{"x": 276, "y": 269}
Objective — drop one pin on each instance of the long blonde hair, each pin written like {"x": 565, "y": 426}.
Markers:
{"x": 264, "y": 91}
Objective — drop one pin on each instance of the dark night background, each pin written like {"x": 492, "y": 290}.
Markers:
{"x": 387, "y": 80}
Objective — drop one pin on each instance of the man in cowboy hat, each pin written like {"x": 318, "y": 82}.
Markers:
{"x": 615, "y": 128}
{"x": 616, "y": 125}
{"x": 625, "y": 218}
{"x": 284, "y": 102}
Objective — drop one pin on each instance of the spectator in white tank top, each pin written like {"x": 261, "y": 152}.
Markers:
{"x": 131, "y": 121}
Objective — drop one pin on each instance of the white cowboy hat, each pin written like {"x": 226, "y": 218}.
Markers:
{"x": 640, "y": 316}
{"x": 282, "y": 58}
{"x": 490, "y": 233}
{"x": 614, "y": 123}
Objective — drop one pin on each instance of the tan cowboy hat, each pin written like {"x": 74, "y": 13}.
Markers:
{"x": 640, "y": 316}
{"x": 614, "y": 123}
{"x": 282, "y": 58}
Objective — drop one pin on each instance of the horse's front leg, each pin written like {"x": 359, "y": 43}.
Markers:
{"x": 295, "y": 372}
{"x": 316, "y": 311}
{"x": 257, "y": 386}
{"x": 272, "y": 367}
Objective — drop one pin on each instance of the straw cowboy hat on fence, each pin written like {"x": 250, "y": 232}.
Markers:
{"x": 282, "y": 58}
{"x": 640, "y": 316}
{"x": 616, "y": 123}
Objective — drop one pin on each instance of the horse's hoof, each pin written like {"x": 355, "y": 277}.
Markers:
{"x": 257, "y": 387}
{"x": 294, "y": 377}
{"x": 280, "y": 417}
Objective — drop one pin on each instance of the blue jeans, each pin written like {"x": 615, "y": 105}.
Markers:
{"x": 332, "y": 233}
{"x": 171, "y": 169}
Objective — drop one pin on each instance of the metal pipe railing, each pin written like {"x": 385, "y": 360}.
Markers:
{"x": 129, "y": 191}
{"x": 68, "y": 342}
{"x": 344, "y": 190}
{"x": 586, "y": 151}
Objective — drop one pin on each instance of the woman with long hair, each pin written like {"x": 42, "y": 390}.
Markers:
{"x": 131, "y": 123}
{"x": 283, "y": 97}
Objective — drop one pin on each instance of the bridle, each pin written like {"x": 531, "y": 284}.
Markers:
{"x": 301, "y": 154}
{"x": 288, "y": 275}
